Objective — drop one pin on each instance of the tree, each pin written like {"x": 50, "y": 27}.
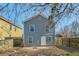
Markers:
{"x": 58, "y": 10}
{"x": 65, "y": 32}
{"x": 71, "y": 30}
{"x": 75, "y": 28}
{"x": 3, "y": 6}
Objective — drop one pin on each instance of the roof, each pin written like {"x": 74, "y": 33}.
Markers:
{"x": 13, "y": 37}
{"x": 36, "y": 16}
{"x": 8, "y": 21}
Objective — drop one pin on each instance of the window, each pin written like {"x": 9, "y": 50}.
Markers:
{"x": 13, "y": 28}
{"x": 10, "y": 27}
{"x": 32, "y": 28}
{"x": 47, "y": 29}
{"x": 49, "y": 38}
{"x": 30, "y": 40}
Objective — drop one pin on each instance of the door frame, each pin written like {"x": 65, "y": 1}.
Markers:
{"x": 43, "y": 40}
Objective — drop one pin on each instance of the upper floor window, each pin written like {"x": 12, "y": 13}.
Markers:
{"x": 32, "y": 28}
{"x": 12, "y": 27}
{"x": 47, "y": 28}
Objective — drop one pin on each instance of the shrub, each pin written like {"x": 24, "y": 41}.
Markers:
{"x": 59, "y": 41}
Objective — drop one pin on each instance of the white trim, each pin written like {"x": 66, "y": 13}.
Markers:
{"x": 35, "y": 16}
{"x": 49, "y": 36}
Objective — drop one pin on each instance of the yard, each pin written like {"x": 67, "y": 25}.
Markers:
{"x": 39, "y": 51}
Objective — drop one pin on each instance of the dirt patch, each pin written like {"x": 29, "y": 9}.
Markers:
{"x": 34, "y": 51}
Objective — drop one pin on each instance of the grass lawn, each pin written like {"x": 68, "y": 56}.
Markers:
{"x": 72, "y": 54}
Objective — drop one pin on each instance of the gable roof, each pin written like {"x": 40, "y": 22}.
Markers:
{"x": 36, "y": 16}
{"x": 8, "y": 21}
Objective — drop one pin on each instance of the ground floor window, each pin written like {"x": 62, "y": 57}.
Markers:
{"x": 48, "y": 39}
{"x": 30, "y": 40}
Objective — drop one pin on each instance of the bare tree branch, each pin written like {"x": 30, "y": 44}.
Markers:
{"x": 4, "y": 7}
{"x": 63, "y": 10}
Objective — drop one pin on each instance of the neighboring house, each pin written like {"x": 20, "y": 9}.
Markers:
{"x": 37, "y": 32}
{"x": 9, "y": 30}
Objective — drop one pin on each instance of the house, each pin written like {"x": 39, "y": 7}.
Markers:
{"x": 37, "y": 32}
{"x": 8, "y": 30}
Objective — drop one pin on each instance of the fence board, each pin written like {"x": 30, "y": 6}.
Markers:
{"x": 68, "y": 42}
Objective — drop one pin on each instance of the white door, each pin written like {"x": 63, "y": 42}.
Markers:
{"x": 43, "y": 40}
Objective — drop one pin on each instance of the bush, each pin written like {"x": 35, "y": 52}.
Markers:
{"x": 59, "y": 42}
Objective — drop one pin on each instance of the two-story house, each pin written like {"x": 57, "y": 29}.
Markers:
{"x": 37, "y": 32}
{"x": 9, "y": 30}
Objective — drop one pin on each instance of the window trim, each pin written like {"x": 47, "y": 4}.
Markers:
{"x": 28, "y": 39}
{"x": 48, "y": 37}
{"x": 33, "y": 26}
{"x": 48, "y": 29}
{"x": 10, "y": 27}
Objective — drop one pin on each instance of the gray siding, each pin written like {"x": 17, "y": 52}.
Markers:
{"x": 40, "y": 27}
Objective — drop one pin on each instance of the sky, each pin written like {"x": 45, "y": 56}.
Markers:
{"x": 9, "y": 13}
{"x": 65, "y": 22}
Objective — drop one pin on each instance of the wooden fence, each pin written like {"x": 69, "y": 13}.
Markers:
{"x": 68, "y": 42}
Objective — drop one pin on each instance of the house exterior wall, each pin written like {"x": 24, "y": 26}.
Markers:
{"x": 17, "y": 33}
{"x": 40, "y": 29}
{"x": 3, "y": 29}
{"x": 8, "y": 30}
